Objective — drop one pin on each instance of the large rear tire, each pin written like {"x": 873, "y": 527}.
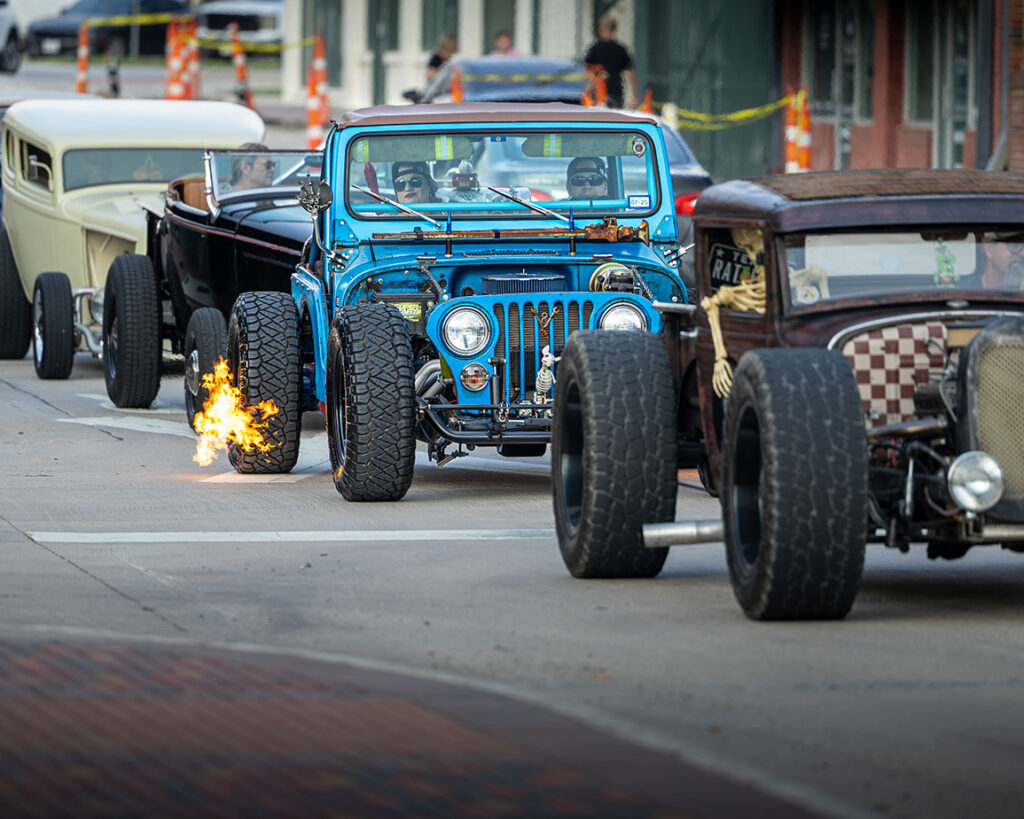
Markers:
{"x": 613, "y": 452}
{"x": 131, "y": 332}
{"x": 15, "y": 309}
{"x": 794, "y": 485}
{"x": 206, "y": 342}
{"x": 265, "y": 363}
{"x": 371, "y": 403}
{"x": 53, "y": 320}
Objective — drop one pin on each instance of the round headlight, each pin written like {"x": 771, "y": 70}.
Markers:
{"x": 96, "y": 305}
{"x": 623, "y": 316}
{"x": 466, "y": 331}
{"x": 975, "y": 481}
{"x": 474, "y": 377}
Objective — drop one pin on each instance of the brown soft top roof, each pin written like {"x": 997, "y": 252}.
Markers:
{"x": 489, "y": 112}
{"x": 892, "y": 182}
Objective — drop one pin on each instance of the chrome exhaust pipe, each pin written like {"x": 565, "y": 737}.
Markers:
{"x": 683, "y": 532}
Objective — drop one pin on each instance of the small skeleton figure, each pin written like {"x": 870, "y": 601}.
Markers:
{"x": 545, "y": 381}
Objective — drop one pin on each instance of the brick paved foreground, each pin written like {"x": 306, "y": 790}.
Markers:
{"x": 133, "y": 730}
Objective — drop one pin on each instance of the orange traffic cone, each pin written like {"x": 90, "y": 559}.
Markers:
{"x": 648, "y": 104}
{"x": 174, "y": 88}
{"x": 320, "y": 73}
{"x": 314, "y": 131}
{"x": 190, "y": 60}
{"x": 242, "y": 91}
{"x": 82, "y": 74}
{"x": 790, "y": 135}
{"x": 587, "y": 99}
{"x": 456, "y": 89}
{"x": 803, "y": 156}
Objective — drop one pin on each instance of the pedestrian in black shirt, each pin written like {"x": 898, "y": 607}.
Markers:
{"x": 610, "y": 56}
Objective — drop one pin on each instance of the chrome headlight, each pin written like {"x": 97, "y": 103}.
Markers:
{"x": 466, "y": 331}
{"x": 96, "y": 305}
{"x": 975, "y": 481}
{"x": 623, "y": 316}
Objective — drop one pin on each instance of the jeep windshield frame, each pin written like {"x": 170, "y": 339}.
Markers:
{"x": 528, "y": 162}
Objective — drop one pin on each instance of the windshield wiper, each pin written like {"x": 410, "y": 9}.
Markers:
{"x": 398, "y": 205}
{"x": 527, "y": 203}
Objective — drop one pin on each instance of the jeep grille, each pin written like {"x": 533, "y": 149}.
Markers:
{"x": 520, "y": 340}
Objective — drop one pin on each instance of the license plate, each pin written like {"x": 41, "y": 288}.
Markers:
{"x": 51, "y": 45}
{"x": 410, "y": 310}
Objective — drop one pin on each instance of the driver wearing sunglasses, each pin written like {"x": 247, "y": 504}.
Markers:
{"x": 254, "y": 170}
{"x": 413, "y": 182}
{"x": 586, "y": 178}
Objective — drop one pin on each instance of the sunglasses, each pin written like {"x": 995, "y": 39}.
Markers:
{"x": 578, "y": 181}
{"x": 1015, "y": 248}
{"x": 269, "y": 164}
{"x": 411, "y": 182}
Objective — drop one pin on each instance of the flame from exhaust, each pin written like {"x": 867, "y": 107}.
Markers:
{"x": 225, "y": 418}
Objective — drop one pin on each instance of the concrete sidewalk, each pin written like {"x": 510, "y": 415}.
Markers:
{"x": 109, "y": 729}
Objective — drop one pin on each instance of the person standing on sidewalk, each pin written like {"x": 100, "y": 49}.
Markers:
{"x": 611, "y": 57}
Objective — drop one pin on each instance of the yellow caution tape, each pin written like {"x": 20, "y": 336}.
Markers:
{"x": 697, "y": 121}
{"x": 129, "y": 19}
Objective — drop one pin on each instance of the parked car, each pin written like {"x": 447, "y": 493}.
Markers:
{"x": 74, "y": 173}
{"x": 10, "y": 40}
{"x": 214, "y": 243}
{"x": 59, "y": 35}
{"x": 435, "y": 300}
{"x": 852, "y": 373}
{"x": 260, "y": 25}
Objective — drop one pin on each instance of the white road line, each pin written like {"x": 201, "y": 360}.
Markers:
{"x": 157, "y": 426}
{"x": 351, "y": 536}
{"x": 156, "y": 406}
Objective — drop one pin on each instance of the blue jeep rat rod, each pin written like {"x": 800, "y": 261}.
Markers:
{"x": 455, "y": 250}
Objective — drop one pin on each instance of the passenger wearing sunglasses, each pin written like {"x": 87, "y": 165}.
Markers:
{"x": 413, "y": 182}
{"x": 254, "y": 170}
{"x": 586, "y": 178}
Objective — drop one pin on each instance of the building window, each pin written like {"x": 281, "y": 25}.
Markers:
{"x": 821, "y": 56}
{"x": 864, "y": 86}
{"x": 439, "y": 17}
{"x": 920, "y": 65}
{"x": 324, "y": 17}
{"x": 499, "y": 15}
{"x": 382, "y": 22}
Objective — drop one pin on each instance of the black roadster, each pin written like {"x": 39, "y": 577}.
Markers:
{"x": 216, "y": 238}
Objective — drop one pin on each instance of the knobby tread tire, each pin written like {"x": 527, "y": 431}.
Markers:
{"x": 264, "y": 358}
{"x": 371, "y": 403}
{"x": 53, "y": 343}
{"x": 613, "y": 452}
{"x": 131, "y": 332}
{"x": 207, "y": 334}
{"x": 794, "y": 485}
{"x": 15, "y": 309}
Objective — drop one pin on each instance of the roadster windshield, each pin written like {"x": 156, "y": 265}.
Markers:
{"x": 607, "y": 173}
{"x": 240, "y": 173}
{"x": 842, "y": 266}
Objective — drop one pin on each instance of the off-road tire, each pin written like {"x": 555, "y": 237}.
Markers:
{"x": 10, "y": 56}
{"x": 15, "y": 309}
{"x": 206, "y": 342}
{"x": 131, "y": 332}
{"x": 263, "y": 356}
{"x": 371, "y": 403}
{"x": 613, "y": 452}
{"x": 53, "y": 320}
{"x": 794, "y": 485}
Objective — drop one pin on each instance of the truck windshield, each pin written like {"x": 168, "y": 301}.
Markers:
{"x": 595, "y": 173}
{"x": 842, "y": 266}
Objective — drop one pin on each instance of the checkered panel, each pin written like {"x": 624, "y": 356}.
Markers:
{"x": 891, "y": 363}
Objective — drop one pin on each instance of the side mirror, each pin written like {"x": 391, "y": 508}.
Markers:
{"x": 315, "y": 196}
{"x": 38, "y": 172}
